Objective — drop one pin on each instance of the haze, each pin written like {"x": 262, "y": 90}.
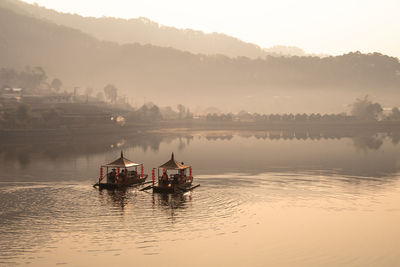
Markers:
{"x": 268, "y": 132}
{"x": 323, "y": 27}
{"x": 206, "y": 72}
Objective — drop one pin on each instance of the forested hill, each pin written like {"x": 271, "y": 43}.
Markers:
{"x": 145, "y": 31}
{"x": 144, "y": 70}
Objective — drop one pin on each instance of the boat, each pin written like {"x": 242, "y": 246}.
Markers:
{"x": 121, "y": 173}
{"x": 174, "y": 177}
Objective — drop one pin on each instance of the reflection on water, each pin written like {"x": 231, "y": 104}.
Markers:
{"x": 366, "y": 143}
{"x": 78, "y": 158}
{"x": 117, "y": 198}
{"x": 22, "y": 150}
{"x": 266, "y": 199}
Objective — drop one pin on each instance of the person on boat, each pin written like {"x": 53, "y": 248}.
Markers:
{"x": 165, "y": 177}
{"x": 122, "y": 175}
{"x": 111, "y": 176}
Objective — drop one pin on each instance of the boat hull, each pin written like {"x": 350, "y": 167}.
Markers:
{"x": 171, "y": 189}
{"x": 131, "y": 182}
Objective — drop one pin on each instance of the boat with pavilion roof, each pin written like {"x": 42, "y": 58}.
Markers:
{"x": 178, "y": 180}
{"x": 124, "y": 173}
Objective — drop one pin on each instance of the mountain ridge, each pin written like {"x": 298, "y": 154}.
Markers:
{"x": 145, "y": 31}
{"x": 168, "y": 76}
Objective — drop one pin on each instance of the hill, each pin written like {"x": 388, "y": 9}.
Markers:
{"x": 169, "y": 76}
{"x": 145, "y": 31}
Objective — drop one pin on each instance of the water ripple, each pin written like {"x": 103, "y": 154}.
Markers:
{"x": 35, "y": 218}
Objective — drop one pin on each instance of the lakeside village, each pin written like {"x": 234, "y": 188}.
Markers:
{"x": 29, "y": 101}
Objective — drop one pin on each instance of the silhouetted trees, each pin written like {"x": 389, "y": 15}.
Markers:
{"x": 219, "y": 117}
{"x": 148, "y": 112}
{"x": 21, "y": 117}
{"x": 56, "y": 84}
{"x": 365, "y": 109}
{"x": 395, "y": 115}
{"x": 278, "y": 118}
{"x": 184, "y": 112}
{"x": 30, "y": 79}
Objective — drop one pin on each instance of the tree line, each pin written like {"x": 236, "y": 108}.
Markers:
{"x": 31, "y": 79}
{"x": 362, "y": 110}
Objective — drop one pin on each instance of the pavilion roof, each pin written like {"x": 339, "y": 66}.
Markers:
{"x": 121, "y": 162}
{"x": 172, "y": 164}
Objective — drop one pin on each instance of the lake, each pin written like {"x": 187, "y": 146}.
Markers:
{"x": 266, "y": 199}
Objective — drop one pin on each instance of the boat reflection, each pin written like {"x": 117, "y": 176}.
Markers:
{"x": 117, "y": 198}
{"x": 171, "y": 204}
{"x": 172, "y": 201}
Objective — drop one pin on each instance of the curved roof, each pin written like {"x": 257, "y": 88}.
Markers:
{"x": 172, "y": 164}
{"x": 121, "y": 163}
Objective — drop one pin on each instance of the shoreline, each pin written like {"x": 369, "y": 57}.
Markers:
{"x": 192, "y": 126}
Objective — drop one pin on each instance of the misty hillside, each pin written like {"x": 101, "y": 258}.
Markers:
{"x": 168, "y": 76}
{"x": 145, "y": 31}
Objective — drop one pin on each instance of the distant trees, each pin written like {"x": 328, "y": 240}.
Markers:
{"x": 56, "y": 84}
{"x": 183, "y": 112}
{"x": 19, "y": 118}
{"x": 111, "y": 93}
{"x": 274, "y": 117}
{"x": 288, "y": 117}
{"x": 148, "y": 112}
{"x": 154, "y": 113}
{"x": 365, "y": 109}
{"x": 244, "y": 116}
{"x": 219, "y": 117}
{"x": 34, "y": 77}
{"x": 31, "y": 79}
{"x": 169, "y": 114}
{"x": 301, "y": 117}
{"x": 395, "y": 115}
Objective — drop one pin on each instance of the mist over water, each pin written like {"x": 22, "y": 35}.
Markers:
{"x": 297, "y": 153}
{"x": 264, "y": 200}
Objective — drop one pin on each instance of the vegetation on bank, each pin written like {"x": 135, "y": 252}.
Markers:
{"x": 363, "y": 110}
{"x": 28, "y": 100}
{"x": 102, "y": 115}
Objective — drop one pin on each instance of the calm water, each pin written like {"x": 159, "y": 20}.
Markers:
{"x": 265, "y": 200}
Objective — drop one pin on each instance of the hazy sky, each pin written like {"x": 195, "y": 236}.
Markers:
{"x": 317, "y": 26}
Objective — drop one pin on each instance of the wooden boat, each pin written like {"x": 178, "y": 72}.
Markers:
{"x": 177, "y": 181}
{"x": 124, "y": 173}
